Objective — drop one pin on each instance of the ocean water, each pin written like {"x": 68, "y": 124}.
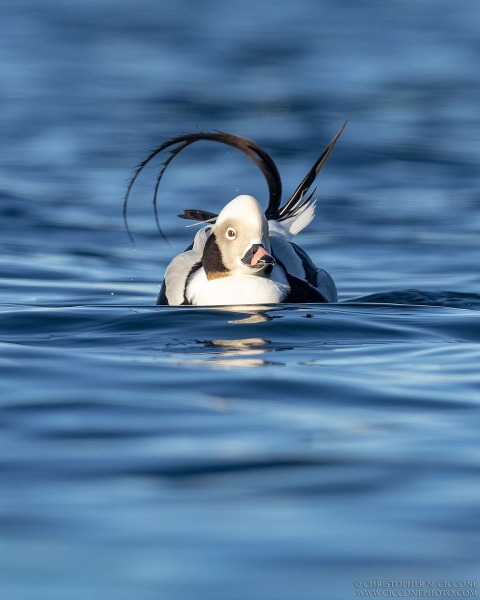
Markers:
{"x": 277, "y": 452}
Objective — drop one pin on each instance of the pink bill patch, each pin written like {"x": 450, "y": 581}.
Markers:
{"x": 258, "y": 255}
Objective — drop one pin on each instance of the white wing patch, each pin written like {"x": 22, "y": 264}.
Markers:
{"x": 296, "y": 223}
{"x": 303, "y": 218}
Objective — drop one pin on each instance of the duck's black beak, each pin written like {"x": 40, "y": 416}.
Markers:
{"x": 258, "y": 258}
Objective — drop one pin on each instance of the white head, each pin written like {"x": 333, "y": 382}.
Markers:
{"x": 239, "y": 242}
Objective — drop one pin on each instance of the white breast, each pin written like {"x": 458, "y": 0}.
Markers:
{"x": 233, "y": 290}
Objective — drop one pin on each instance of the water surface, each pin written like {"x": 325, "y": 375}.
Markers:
{"x": 272, "y": 452}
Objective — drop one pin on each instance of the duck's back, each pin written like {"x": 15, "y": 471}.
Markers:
{"x": 301, "y": 273}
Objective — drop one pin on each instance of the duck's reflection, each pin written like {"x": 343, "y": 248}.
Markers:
{"x": 249, "y": 314}
{"x": 238, "y": 352}
{"x": 259, "y": 317}
{"x": 243, "y": 346}
{"x": 227, "y": 354}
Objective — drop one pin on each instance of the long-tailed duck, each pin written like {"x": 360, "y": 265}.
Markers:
{"x": 243, "y": 255}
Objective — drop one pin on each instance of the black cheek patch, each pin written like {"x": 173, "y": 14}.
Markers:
{"x": 212, "y": 258}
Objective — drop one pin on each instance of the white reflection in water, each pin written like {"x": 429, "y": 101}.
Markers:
{"x": 234, "y": 353}
{"x": 253, "y": 318}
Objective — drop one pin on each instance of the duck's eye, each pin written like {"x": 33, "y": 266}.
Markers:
{"x": 230, "y": 234}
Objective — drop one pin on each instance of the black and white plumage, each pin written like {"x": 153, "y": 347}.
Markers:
{"x": 243, "y": 255}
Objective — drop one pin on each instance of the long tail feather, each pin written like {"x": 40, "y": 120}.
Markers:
{"x": 298, "y": 195}
{"x": 263, "y": 161}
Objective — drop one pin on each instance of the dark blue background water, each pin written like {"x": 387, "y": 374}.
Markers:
{"x": 189, "y": 453}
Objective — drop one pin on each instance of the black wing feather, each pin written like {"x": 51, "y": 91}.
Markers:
{"x": 198, "y": 215}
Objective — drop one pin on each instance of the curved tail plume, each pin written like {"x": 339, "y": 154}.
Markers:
{"x": 295, "y": 205}
{"x": 261, "y": 158}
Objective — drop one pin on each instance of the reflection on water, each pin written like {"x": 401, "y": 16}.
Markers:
{"x": 232, "y": 352}
{"x": 244, "y": 345}
{"x": 257, "y": 315}
{"x": 228, "y": 362}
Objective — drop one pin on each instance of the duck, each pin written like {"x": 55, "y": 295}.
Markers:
{"x": 244, "y": 255}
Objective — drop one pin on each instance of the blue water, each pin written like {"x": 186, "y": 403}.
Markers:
{"x": 284, "y": 452}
